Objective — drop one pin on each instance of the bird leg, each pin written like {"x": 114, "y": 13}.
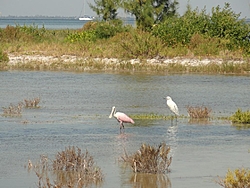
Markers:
{"x": 121, "y": 126}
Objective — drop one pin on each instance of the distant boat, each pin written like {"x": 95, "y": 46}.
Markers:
{"x": 85, "y": 17}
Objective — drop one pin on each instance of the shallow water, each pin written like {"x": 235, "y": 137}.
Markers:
{"x": 74, "y": 111}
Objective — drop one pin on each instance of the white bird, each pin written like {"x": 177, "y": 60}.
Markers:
{"x": 172, "y": 106}
{"x": 121, "y": 117}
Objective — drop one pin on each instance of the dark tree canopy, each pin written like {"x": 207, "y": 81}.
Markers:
{"x": 150, "y": 12}
{"x": 106, "y": 9}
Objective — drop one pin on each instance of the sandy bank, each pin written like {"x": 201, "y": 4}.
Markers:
{"x": 17, "y": 59}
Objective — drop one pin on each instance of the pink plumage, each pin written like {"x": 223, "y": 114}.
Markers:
{"x": 121, "y": 117}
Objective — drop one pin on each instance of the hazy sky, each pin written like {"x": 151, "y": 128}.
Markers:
{"x": 74, "y": 7}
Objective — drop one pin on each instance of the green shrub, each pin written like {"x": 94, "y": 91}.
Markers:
{"x": 179, "y": 30}
{"x": 86, "y": 36}
{"x": 139, "y": 44}
{"x": 241, "y": 117}
{"x": 239, "y": 178}
{"x": 109, "y": 29}
{"x": 223, "y": 24}
{"x": 3, "y": 57}
{"x": 97, "y": 30}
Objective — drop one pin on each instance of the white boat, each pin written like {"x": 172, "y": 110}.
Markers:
{"x": 85, "y": 17}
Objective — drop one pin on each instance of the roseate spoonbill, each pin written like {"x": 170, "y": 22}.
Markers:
{"x": 121, "y": 117}
{"x": 172, "y": 106}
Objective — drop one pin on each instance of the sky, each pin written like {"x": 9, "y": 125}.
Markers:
{"x": 72, "y": 8}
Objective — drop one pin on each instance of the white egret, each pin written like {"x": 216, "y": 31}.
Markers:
{"x": 172, "y": 106}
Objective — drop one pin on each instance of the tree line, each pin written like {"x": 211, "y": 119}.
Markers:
{"x": 160, "y": 17}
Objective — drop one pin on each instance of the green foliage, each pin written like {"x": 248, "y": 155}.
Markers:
{"x": 239, "y": 178}
{"x": 86, "y": 36}
{"x": 25, "y": 33}
{"x": 3, "y": 57}
{"x": 98, "y": 30}
{"x": 241, "y": 117}
{"x": 179, "y": 30}
{"x": 140, "y": 44}
{"x": 32, "y": 31}
{"x": 149, "y": 12}
{"x": 223, "y": 25}
{"x": 106, "y": 9}
{"x": 109, "y": 29}
{"x": 201, "y": 45}
{"x": 149, "y": 116}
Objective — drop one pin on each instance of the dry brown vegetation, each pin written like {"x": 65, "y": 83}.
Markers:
{"x": 70, "y": 168}
{"x": 149, "y": 159}
{"x": 16, "y": 110}
{"x": 199, "y": 112}
{"x": 13, "y": 110}
{"x": 31, "y": 103}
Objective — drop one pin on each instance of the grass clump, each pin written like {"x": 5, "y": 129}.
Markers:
{"x": 31, "y": 103}
{"x": 240, "y": 117}
{"x": 149, "y": 159}
{"x": 3, "y": 57}
{"x": 199, "y": 112}
{"x": 70, "y": 168}
{"x": 239, "y": 178}
{"x": 13, "y": 110}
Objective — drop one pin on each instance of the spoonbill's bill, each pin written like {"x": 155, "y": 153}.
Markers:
{"x": 121, "y": 117}
{"x": 172, "y": 106}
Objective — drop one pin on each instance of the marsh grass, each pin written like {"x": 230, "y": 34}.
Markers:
{"x": 124, "y": 45}
{"x": 151, "y": 116}
{"x": 70, "y": 168}
{"x": 238, "y": 178}
{"x": 199, "y": 112}
{"x": 149, "y": 159}
{"x": 240, "y": 117}
{"x": 13, "y": 110}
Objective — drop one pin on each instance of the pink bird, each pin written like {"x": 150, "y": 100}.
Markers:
{"x": 121, "y": 117}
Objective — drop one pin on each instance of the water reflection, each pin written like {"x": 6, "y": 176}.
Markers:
{"x": 150, "y": 180}
{"x": 204, "y": 121}
{"x": 172, "y": 138}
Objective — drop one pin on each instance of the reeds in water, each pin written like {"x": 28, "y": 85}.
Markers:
{"x": 199, "y": 112}
{"x": 70, "y": 168}
{"x": 13, "y": 110}
{"x": 149, "y": 159}
{"x": 31, "y": 103}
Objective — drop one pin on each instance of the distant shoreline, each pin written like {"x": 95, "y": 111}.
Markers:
{"x": 50, "y": 17}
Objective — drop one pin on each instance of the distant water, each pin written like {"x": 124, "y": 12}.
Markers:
{"x": 50, "y": 23}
